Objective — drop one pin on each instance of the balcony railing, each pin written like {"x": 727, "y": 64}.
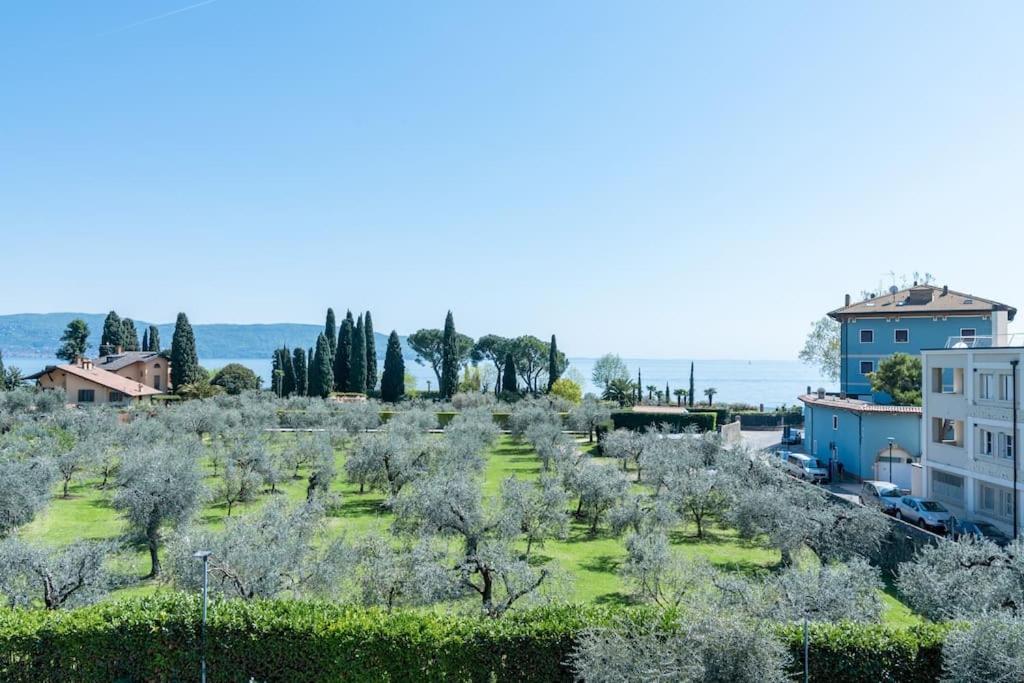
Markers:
{"x": 985, "y": 341}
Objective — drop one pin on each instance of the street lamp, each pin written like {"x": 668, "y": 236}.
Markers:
{"x": 892, "y": 440}
{"x": 203, "y": 555}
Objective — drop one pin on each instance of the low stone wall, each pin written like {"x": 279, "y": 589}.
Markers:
{"x": 732, "y": 433}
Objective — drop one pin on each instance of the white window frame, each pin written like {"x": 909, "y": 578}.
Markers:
{"x": 895, "y": 335}
{"x": 986, "y": 386}
{"x": 1005, "y": 386}
{"x": 869, "y": 341}
{"x": 986, "y": 442}
{"x": 870, "y": 363}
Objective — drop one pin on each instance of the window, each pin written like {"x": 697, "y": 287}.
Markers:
{"x": 995, "y": 501}
{"x": 902, "y": 336}
{"x": 156, "y": 365}
{"x": 1006, "y": 446}
{"x": 116, "y": 397}
{"x": 986, "y": 386}
{"x": 1006, "y": 387}
{"x": 86, "y": 395}
{"x": 867, "y": 336}
{"x": 948, "y": 487}
{"x": 835, "y": 422}
{"x": 986, "y": 442}
{"x": 866, "y": 367}
{"x": 968, "y": 332}
{"x": 947, "y": 380}
{"x": 948, "y": 432}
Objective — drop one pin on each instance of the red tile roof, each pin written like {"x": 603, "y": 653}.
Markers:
{"x": 104, "y": 378}
{"x": 856, "y": 405}
{"x": 917, "y": 300}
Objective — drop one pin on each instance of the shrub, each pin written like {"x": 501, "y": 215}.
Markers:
{"x": 566, "y": 389}
{"x": 676, "y": 422}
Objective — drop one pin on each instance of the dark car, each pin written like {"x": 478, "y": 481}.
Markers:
{"x": 791, "y": 436}
{"x": 960, "y": 528}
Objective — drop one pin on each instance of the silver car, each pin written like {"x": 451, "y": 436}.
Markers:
{"x": 883, "y": 495}
{"x": 927, "y": 514}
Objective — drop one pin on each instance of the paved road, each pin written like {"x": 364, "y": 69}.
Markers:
{"x": 769, "y": 440}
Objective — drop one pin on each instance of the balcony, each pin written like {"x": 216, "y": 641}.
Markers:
{"x": 986, "y": 341}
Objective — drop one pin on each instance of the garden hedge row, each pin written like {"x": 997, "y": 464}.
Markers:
{"x": 676, "y": 422}
{"x": 444, "y": 417}
{"x": 793, "y": 418}
{"x": 157, "y": 639}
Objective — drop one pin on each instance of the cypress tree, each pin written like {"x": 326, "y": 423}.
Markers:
{"x": 309, "y": 371}
{"x": 289, "y": 372}
{"x": 299, "y": 370}
{"x": 667, "y": 400}
{"x": 357, "y": 374}
{"x": 331, "y": 331}
{"x": 145, "y": 340}
{"x": 276, "y": 373}
{"x": 691, "y": 384}
{"x": 129, "y": 335}
{"x": 392, "y": 382}
{"x": 3, "y": 373}
{"x": 343, "y": 354}
{"x": 639, "y": 387}
{"x": 184, "y": 361}
{"x": 449, "y": 358}
{"x": 371, "y": 353}
{"x": 553, "y": 369}
{"x": 113, "y": 334}
{"x": 320, "y": 379}
{"x": 509, "y": 381}
{"x": 154, "y": 339}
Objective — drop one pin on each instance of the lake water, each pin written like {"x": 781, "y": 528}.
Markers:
{"x": 771, "y": 382}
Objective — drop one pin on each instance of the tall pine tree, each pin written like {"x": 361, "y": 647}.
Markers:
{"x": 357, "y": 373}
{"x": 154, "y": 339}
{"x": 508, "y": 381}
{"x": 289, "y": 372}
{"x": 392, "y": 382}
{"x": 371, "y": 353}
{"x": 343, "y": 354}
{"x": 184, "y": 361}
{"x": 145, "y": 340}
{"x": 299, "y": 368}
{"x": 331, "y": 332}
{"x": 130, "y": 336}
{"x": 691, "y": 385}
{"x": 320, "y": 376}
{"x": 449, "y": 358}
{"x": 113, "y": 334}
{"x": 554, "y": 367}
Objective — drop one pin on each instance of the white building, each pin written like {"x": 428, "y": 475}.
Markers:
{"x": 968, "y": 435}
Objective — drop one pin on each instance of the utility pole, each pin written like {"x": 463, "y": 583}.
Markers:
{"x": 1015, "y": 409}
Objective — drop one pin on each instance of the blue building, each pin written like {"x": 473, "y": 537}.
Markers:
{"x": 855, "y": 434}
{"x": 907, "y": 321}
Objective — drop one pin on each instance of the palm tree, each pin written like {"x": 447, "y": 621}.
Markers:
{"x": 710, "y": 393}
{"x": 650, "y": 391}
{"x": 680, "y": 395}
{"x": 619, "y": 390}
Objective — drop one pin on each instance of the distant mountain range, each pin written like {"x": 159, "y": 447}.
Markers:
{"x": 38, "y": 335}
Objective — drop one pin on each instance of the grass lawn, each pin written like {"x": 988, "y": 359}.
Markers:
{"x": 591, "y": 561}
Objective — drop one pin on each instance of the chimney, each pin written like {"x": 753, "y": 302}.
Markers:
{"x": 821, "y": 392}
{"x": 808, "y": 389}
{"x": 945, "y": 290}
{"x": 119, "y": 350}
{"x": 847, "y": 299}
{"x": 86, "y": 364}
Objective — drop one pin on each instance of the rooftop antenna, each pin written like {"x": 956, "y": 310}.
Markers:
{"x": 892, "y": 290}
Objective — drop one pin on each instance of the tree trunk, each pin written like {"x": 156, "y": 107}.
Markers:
{"x": 488, "y": 591}
{"x": 529, "y": 544}
{"x": 152, "y": 532}
{"x": 579, "y": 507}
{"x": 66, "y": 481}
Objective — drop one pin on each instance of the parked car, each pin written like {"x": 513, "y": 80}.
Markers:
{"x": 883, "y": 495}
{"x": 979, "y": 529}
{"x": 805, "y": 467}
{"x": 927, "y": 514}
{"x": 791, "y": 436}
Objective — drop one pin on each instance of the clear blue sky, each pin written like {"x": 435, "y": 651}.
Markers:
{"x": 658, "y": 179}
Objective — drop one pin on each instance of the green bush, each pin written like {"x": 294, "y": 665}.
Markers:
{"x": 157, "y": 639}
{"x": 676, "y": 422}
{"x": 793, "y": 418}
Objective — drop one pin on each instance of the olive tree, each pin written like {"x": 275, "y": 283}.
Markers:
{"x": 157, "y": 487}
{"x": 534, "y": 511}
{"x": 599, "y": 488}
{"x": 988, "y": 649}
{"x": 269, "y": 553}
{"x": 411, "y": 574}
{"x": 54, "y": 578}
{"x": 387, "y": 461}
{"x": 626, "y": 445}
{"x": 25, "y": 485}
{"x": 660, "y": 576}
{"x": 588, "y": 415}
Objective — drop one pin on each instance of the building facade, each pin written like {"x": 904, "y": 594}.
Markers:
{"x": 968, "y": 431}
{"x": 852, "y": 437}
{"x": 907, "y": 321}
{"x": 85, "y": 384}
{"x": 147, "y": 367}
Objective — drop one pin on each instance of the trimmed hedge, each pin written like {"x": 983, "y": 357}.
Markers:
{"x": 446, "y": 416}
{"x": 157, "y": 639}
{"x": 677, "y": 422}
{"x": 794, "y": 418}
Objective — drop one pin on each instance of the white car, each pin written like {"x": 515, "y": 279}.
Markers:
{"x": 805, "y": 467}
{"x": 927, "y": 514}
{"x": 883, "y": 495}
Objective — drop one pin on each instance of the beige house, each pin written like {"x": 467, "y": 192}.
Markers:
{"x": 84, "y": 383}
{"x": 146, "y": 367}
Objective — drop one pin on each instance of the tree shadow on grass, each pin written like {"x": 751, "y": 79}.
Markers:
{"x": 616, "y": 599}
{"x": 606, "y": 564}
{"x": 359, "y": 508}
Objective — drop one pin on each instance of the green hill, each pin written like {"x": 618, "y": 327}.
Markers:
{"x": 38, "y": 334}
